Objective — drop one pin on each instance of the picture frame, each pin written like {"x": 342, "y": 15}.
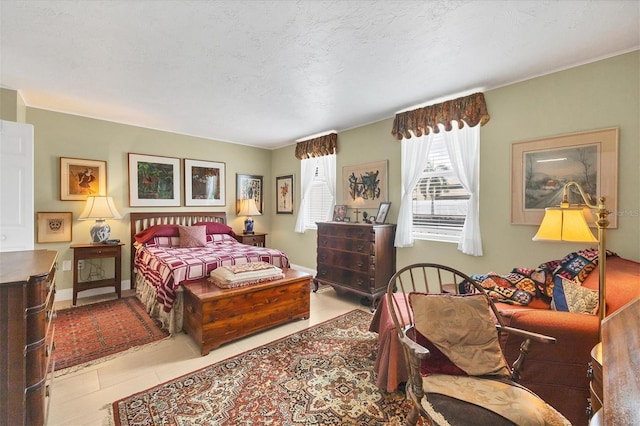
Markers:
{"x": 249, "y": 186}
{"x": 284, "y": 194}
{"x": 340, "y": 213}
{"x": 54, "y": 227}
{"x": 154, "y": 181}
{"x": 368, "y": 181}
{"x": 204, "y": 183}
{"x": 383, "y": 211}
{"x": 80, "y": 178}
{"x": 540, "y": 168}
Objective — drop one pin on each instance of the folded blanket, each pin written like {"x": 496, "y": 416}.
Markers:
{"x": 521, "y": 285}
{"x": 245, "y": 274}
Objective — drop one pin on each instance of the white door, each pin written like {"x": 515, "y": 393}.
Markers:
{"x": 16, "y": 186}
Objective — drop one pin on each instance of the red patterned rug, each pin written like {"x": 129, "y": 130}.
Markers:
{"x": 89, "y": 332}
{"x": 320, "y": 376}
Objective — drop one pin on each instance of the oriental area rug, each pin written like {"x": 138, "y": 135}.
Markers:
{"x": 323, "y": 375}
{"x": 89, "y": 333}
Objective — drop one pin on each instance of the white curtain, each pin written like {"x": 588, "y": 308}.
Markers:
{"x": 307, "y": 173}
{"x": 414, "y": 155}
{"x": 328, "y": 163}
{"x": 463, "y": 146}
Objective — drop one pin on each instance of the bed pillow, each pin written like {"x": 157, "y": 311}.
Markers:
{"x": 156, "y": 231}
{"x": 462, "y": 328}
{"x": 216, "y": 228}
{"x": 570, "y": 296}
{"x": 193, "y": 236}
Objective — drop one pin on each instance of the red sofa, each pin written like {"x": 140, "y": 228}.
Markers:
{"x": 558, "y": 373}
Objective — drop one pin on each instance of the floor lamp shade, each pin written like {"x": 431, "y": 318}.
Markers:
{"x": 100, "y": 208}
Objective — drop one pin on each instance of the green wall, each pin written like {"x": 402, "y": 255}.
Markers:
{"x": 599, "y": 95}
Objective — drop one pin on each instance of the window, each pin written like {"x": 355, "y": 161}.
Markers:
{"x": 440, "y": 203}
{"x": 318, "y": 188}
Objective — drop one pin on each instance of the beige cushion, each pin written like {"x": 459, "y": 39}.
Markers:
{"x": 463, "y": 329}
{"x": 245, "y": 274}
{"x": 574, "y": 298}
{"x": 193, "y": 236}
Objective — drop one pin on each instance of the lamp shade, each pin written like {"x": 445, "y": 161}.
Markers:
{"x": 565, "y": 224}
{"x": 99, "y": 207}
{"x": 248, "y": 208}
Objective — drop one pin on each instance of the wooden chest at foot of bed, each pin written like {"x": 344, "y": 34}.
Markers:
{"x": 214, "y": 316}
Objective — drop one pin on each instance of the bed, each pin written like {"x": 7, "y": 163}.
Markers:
{"x": 163, "y": 272}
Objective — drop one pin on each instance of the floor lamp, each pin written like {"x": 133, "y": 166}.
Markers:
{"x": 568, "y": 223}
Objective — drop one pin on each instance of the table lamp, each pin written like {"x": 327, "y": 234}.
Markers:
{"x": 100, "y": 208}
{"x": 248, "y": 208}
{"x": 358, "y": 203}
{"x": 569, "y": 223}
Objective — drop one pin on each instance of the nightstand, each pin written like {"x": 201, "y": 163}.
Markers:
{"x": 83, "y": 252}
{"x": 258, "y": 239}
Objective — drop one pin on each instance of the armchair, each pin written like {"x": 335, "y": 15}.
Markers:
{"x": 457, "y": 374}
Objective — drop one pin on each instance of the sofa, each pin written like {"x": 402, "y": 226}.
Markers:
{"x": 558, "y": 372}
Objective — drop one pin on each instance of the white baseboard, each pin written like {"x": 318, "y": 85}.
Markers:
{"x": 67, "y": 293}
{"x": 303, "y": 269}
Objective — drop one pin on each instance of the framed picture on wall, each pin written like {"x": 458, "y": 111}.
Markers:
{"x": 54, "y": 227}
{"x": 368, "y": 182}
{"x": 204, "y": 183}
{"x": 540, "y": 168}
{"x": 81, "y": 178}
{"x": 154, "y": 181}
{"x": 284, "y": 194}
{"x": 249, "y": 186}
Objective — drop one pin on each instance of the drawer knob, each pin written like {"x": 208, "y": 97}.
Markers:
{"x": 590, "y": 374}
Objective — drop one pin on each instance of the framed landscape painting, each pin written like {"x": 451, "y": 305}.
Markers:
{"x": 80, "y": 178}
{"x": 541, "y": 168}
{"x": 154, "y": 181}
{"x": 204, "y": 183}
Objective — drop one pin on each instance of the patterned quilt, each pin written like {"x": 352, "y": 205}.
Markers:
{"x": 521, "y": 285}
{"x": 167, "y": 267}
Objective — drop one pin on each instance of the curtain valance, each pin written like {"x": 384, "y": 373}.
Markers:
{"x": 472, "y": 109}
{"x": 317, "y": 147}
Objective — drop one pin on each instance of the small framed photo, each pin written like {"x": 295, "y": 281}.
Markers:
{"x": 340, "y": 213}
{"x": 284, "y": 194}
{"x": 154, "y": 181}
{"x": 81, "y": 178}
{"x": 383, "y": 210}
{"x": 54, "y": 227}
{"x": 249, "y": 186}
{"x": 204, "y": 183}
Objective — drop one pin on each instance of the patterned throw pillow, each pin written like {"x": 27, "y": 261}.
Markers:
{"x": 461, "y": 327}
{"x": 193, "y": 236}
{"x": 569, "y": 296}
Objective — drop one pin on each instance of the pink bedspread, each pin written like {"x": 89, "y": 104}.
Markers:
{"x": 167, "y": 267}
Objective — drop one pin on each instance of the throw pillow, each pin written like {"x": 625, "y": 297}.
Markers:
{"x": 462, "y": 328}
{"x": 569, "y": 296}
{"x": 193, "y": 236}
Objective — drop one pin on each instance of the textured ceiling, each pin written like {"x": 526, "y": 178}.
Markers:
{"x": 265, "y": 73}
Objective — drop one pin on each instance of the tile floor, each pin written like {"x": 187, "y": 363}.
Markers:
{"x": 82, "y": 397}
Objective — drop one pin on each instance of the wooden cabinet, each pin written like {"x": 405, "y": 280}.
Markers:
{"x": 27, "y": 293}
{"x": 356, "y": 257}
{"x": 97, "y": 251}
{"x": 258, "y": 239}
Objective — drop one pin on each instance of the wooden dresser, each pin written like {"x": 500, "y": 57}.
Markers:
{"x": 27, "y": 291}
{"x": 356, "y": 257}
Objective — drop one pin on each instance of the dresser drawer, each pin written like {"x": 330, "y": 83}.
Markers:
{"x": 345, "y": 231}
{"x": 346, "y": 244}
{"x": 344, "y": 277}
{"x": 349, "y": 260}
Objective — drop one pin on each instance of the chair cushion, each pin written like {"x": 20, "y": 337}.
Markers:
{"x": 569, "y": 296}
{"x": 505, "y": 398}
{"x": 462, "y": 328}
